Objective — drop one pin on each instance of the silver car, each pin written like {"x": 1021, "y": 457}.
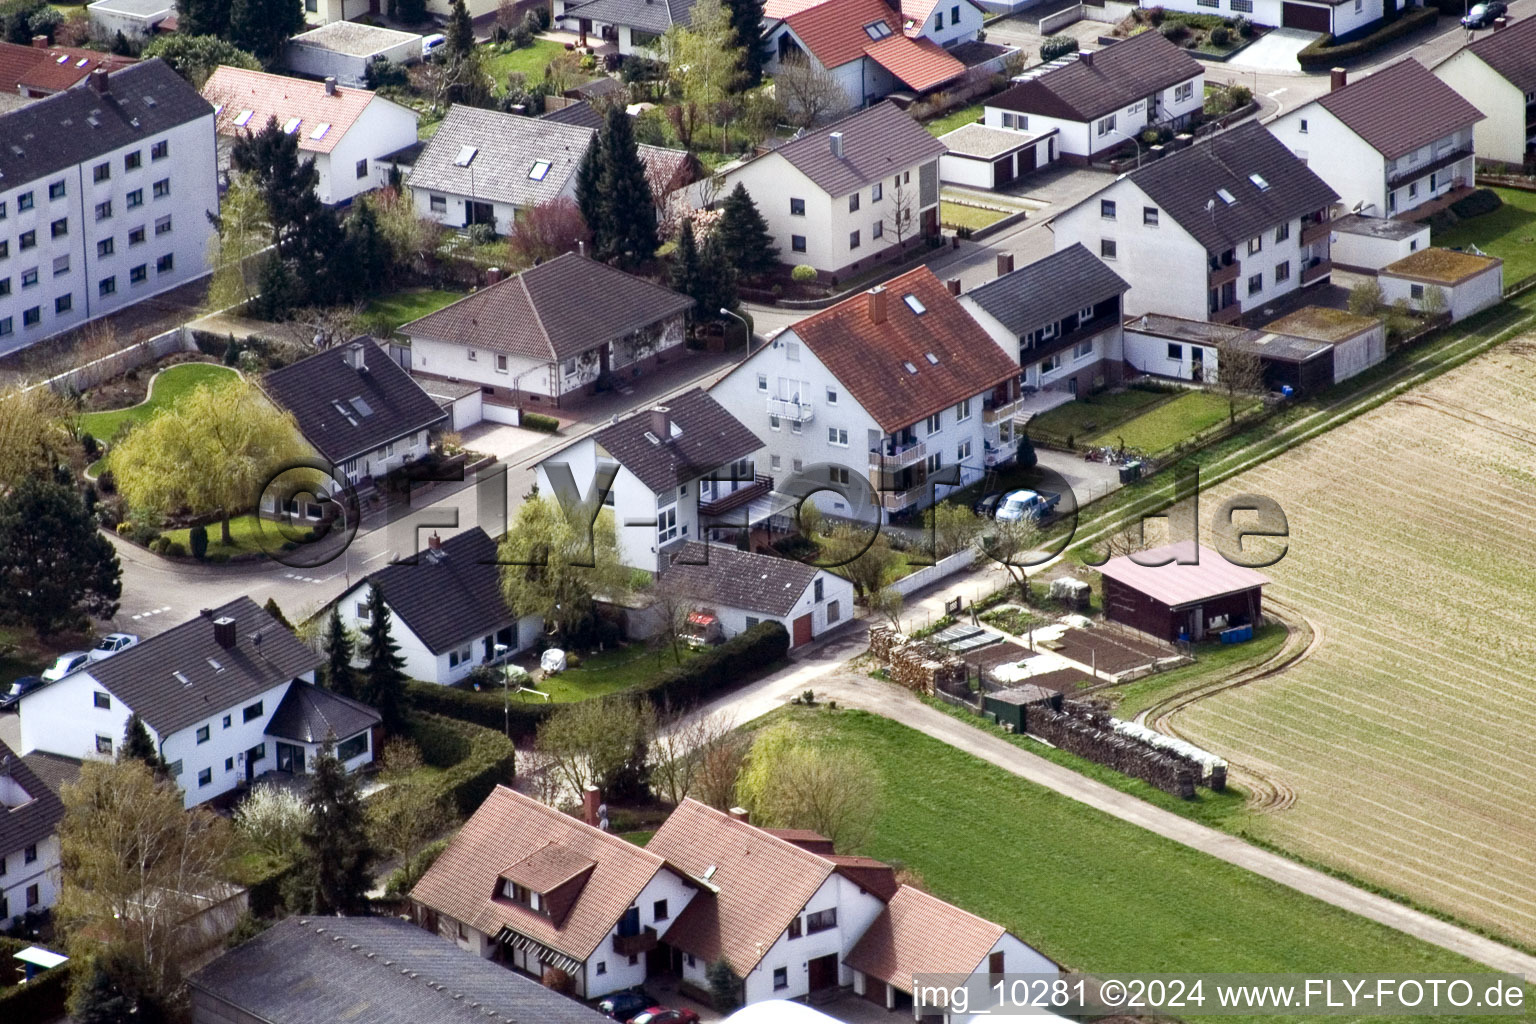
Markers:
{"x": 74, "y": 661}
{"x": 111, "y": 644}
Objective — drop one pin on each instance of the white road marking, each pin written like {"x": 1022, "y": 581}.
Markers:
{"x": 1277, "y": 92}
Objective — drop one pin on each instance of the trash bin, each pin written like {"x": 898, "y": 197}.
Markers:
{"x": 1130, "y": 472}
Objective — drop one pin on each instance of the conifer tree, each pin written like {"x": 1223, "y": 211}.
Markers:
{"x": 138, "y": 746}
{"x": 384, "y": 678}
{"x": 333, "y": 873}
{"x": 461, "y": 31}
{"x": 589, "y": 196}
{"x": 628, "y": 209}
{"x": 744, "y": 235}
{"x": 340, "y": 677}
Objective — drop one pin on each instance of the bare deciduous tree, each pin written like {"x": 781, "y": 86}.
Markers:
{"x": 901, "y": 217}
{"x": 681, "y": 753}
{"x": 719, "y": 768}
{"x": 1239, "y": 373}
{"x": 806, "y": 91}
{"x": 1011, "y": 544}
{"x": 674, "y": 607}
{"x": 317, "y": 328}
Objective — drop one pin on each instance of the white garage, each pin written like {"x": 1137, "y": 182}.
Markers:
{"x": 1467, "y": 282}
{"x": 343, "y": 50}
{"x": 1364, "y": 245}
{"x": 992, "y": 158}
{"x": 742, "y": 589}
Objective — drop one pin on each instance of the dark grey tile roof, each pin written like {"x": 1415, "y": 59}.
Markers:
{"x": 580, "y": 114}
{"x": 76, "y": 124}
{"x": 148, "y": 677}
{"x": 1103, "y": 82}
{"x": 55, "y": 770}
{"x": 449, "y": 596}
{"x": 709, "y": 437}
{"x": 739, "y": 579}
{"x": 553, "y": 311}
{"x": 1186, "y": 183}
{"x": 29, "y": 822}
{"x": 1400, "y": 108}
{"x": 1048, "y": 290}
{"x": 308, "y": 714}
{"x": 345, "y": 412}
{"x": 1511, "y": 52}
{"x": 375, "y": 970}
{"x": 877, "y": 141}
{"x": 647, "y": 15}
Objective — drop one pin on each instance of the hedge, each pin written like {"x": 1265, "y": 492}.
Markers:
{"x": 538, "y": 421}
{"x": 477, "y": 759}
{"x": 483, "y": 709}
{"x": 1477, "y": 204}
{"x": 42, "y": 998}
{"x": 1324, "y": 52}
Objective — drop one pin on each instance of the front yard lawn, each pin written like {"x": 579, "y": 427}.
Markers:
{"x": 1089, "y": 890}
{"x": 244, "y": 532}
{"x": 530, "y": 60}
{"x": 1165, "y": 426}
{"x": 385, "y": 314}
{"x": 603, "y": 673}
{"x": 964, "y": 215}
{"x": 169, "y": 385}
{"x": 1080, "y": 419}
{"x": 1508, "y": 233}
{"x": 955, "y": 118}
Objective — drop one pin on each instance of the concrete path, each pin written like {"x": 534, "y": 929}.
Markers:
{"x": 1274, "y": 51}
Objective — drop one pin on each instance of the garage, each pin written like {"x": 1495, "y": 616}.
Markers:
{"x": 1315, "y": 19}
{"x": 993, "y": 158}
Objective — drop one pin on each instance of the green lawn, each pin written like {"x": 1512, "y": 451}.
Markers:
{"x": 963, "y": 215}
{"x": 386, "y": 313}
{"x": 1090, "y": 890}
{"x": 1508, "y": 233}
{"x": 604, "y": 673}
{"x": 1080, "y": 419}
{"x": 170, "y": 385}
{"x": 1212, "y": 660}
{"x": 243, "y": 531}
{"x": 1165, "y": 426}
{"x": 530, "y": 60}
{"x": 955, "y": 118}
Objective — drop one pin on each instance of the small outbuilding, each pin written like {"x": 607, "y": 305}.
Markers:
{"x": 343, "y": 50}
{"x": 137, "y": 20}
{"x": 1010, "y": 707}
{"x": 1358, "y": 342}
{"x": 741, "y": 589}
{"x": 1363, "y": 245}
{"x": 1468, "y": 282}
{"x": 1181, "y": 600}
{"x": 1171, "y": 346}
{"x": 984, "y": 157}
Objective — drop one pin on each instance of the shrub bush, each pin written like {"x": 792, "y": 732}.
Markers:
{"x": 803, "y": 273}
{"x": 106, "y": 482}
{"x": 538, "y": 421}
{"x": 484, "y": 709}
{"x": 1174, "y": 31}
{"x": 522, "y": 36}
{"x": 404, "y": 878}
{"x": 1325, "y": 52}
{"x": 1483, "y": 201}
{"x": 717, "y": 669}
{"x": 1052, "y": 47}
{"x": 1240, "y": 96}
{"x": 198, "y": 538}
{"x": 1245, "y": 28}
{"x": 1156, "y": 15}
{"x": 1221, "y": 35}
{"x": 173, "y": 548}
{"x": 90, "y": 446}
{"x": 489, "y": 760}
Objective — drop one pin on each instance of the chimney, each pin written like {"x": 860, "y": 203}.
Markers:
{"x": 954, "y": 285}
{"x": 493, "y": 275}
{"x": 876, "y": 304}
{"x": 40, "y": 42}
{"x": 1338, "y": 78}
{"x": 330, "y": 85}
{"x": 1086, "y": 57}
{"x": 206, "y": 613}
{"x": 835, "y": 140}
{"x": 356, "y": 357}
{"x": 581, "y": 246}
{"x": 435, "y": 543}
{"x": 661, "y": 422}
{"x": 590, "y": 801}
{"x": 1004, "y": 263}
{"x": 224, "y": 631}
{"x": 1500, "y": 22}
{"x": 740, "y": 814}
{"x": 98, "y": 80}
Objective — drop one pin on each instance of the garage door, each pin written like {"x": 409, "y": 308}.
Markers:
{"x": 802, "y": 631}
{"x": 1305, "y": 16}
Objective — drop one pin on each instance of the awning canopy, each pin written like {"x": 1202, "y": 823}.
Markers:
{"x": 542, "y": 953}
{"x": 37, "y": 956}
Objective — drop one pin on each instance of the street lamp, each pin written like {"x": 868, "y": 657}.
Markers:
{"x": 506, "y": 683}
{"x": 744, "y": 324}
{"x": 1130, "y": 138}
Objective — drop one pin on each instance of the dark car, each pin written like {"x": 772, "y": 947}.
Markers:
{"x": 19, "y": 689}
{"x": 987, "y": 506}
{"x": 624, "y": 1005}
{"x": 1483, "y": 15}
{"x": 662, "y": 1015}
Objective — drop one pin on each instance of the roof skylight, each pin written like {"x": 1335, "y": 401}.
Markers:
{"x": 914, "y": 304}
{"x": 909, "y": 366}
{"x": 320, "y": 130}
{"x": 292, "y": 125}
{"x": 243, "y": 118}
{"x": 1226, "y": 196}
{"x": 933, "y": 360}
{"x": 877, "y": 30}
{"x": 466, "y": 156}
{"x": 538, "y": 170}
{"x": 362, "y": 407}
{"x": 1258, "y": 179}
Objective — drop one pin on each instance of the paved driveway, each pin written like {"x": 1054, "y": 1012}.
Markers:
{"x": 1275, "y": 50}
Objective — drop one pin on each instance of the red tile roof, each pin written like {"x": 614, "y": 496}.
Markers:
{"x": 1400, "y": 108}
{"x": 235, "y": 91}
{"x": 872, "y": 359}
{"x": 512, "y": 834}
{"x": 901, "y": 941}
{"x": 920, "y": 63}
{"x": 778, "y": 10}
{"x": 51, "y": 69}
{"x": 834, "y": 32}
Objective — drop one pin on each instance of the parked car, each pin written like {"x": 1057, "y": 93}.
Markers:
{"x": 431, "y": 44}
{"x": 111, "y": 644}
{"x": 1483, "y": 15}
{"x": 624, "y": 1005}
{"x": 19, "y": 689}
{"x": 987, "y": 506}
{"x": 1035, "y": 505}
{"x": 74, "y": 661}
{"x": 662, "y": 1015}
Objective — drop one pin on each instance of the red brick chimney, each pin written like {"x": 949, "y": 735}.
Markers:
{"x": 40, "y": 42}
{"x": 591, "y": 799}
{"x": 98, "y": 80}
{"x": 434, "y": 542}
{"x": 876, "y": 299}
{"x": 493, "y": 275}
{"x": 661, "y": 422}
{"x": 1338, "y": 78}
{"x": 740, "y": 814}
{"x": 1004, "y": 263}
{"x": 953, "y": 284}
{"x": 1499, "y": 23}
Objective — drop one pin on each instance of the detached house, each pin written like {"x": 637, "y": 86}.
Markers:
{"x": 366, "y": 416}
{"x": 891, "y": 386}
{"x": 346, "y": 132}
{"x": 1214, "y": 229}
{"x": 445, "y": 608}
{"x": 226, "y": 697}
{"x": 29, "y": 73}
{"x": 551, "y": 332}
{"x": 1097, "y": 101}
{"x": 1386, "y": 143}
{"x": 740, "y": 589}
{"x": 1333, "y": 17}
{"x": 1497, "y": 75}
{"x": 669, "y": 467}
{"x": 846, "y": 196}
{"x": 635, "y": 26}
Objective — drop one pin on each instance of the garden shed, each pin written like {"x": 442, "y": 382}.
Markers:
{"x": 1358, "y": 342}
{"x": 1181, "y": 600}
{"x": 1468, "y": 282}
{"x": 1010, "y": 707}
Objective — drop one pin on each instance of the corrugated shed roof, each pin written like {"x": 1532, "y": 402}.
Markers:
{"x": 1048, "y": 290}
{"x": 1400, "y": 108}
{"x": 1105, "y": 81}
{"x": 247, "y": 100}
{"x": 1177, "y": 585}
{"x": 707, "y": 436}
{"x": 901, "y": 941}
{"x": 1511, "y": 51}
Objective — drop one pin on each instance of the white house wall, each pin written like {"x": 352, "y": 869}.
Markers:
{"x": 1462, "y": 300}
{"x": 1080, "y": 138}
{"x": 836, "y": 592}
{"x": 106, "y": 24}
{"x": 1349, "y": 165}
{"x": 1261, "y": 12}
{"x": 961, "y": 23}
{"x": 1502, "y": 136}
{"x": 62, "y": 718}
{"x": 1072, "y": 136}
{"x": 1370, "y": 253}
{"x": 19, "y": 876}
{"x": 1148, "y": 353}
{"x": 975, "y": 172}
{"x": 224, "y": 743}
{"x": 453, "y": 361}
{"x": 608, "y": 971}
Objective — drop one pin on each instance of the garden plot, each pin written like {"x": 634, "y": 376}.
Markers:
{"x": 1405, "y": 735}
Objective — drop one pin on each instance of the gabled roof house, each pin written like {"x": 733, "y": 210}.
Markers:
{"x": 345, "y": 131}
{"x": 1387, "y": 142}
{"x": 1219, "y": 227}
{"x": 634, "y": 26}
{"x": 32, "y": 72}
{"x": 741, "y": 589}
{"x": 30, "y": 812}
{"x": 551, "y": 331}
{"x": 1497, "y": 75}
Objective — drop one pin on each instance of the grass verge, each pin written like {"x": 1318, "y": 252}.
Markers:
{"x": 1080, "y": 419}
{"x": 169, "y": 385}
{"x": 1160, "y": 428}
{"x": 244, "y": 535}
{"x": 963, "y": 215}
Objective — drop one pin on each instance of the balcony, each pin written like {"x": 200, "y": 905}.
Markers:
{"x": 1001, "y": 413}
{"x": 1315, "y": 232}
{"x": 634, "y": 945}
{"x": 1398, "y": 178}
{"x": 759, "y": 487}
{"x": 1228, "y": 314}
{"x": 895, "y": 501}
{"x": 791, "y": 410}
{"x": 1318, "y": 269}
{"x": 1224, "y": 275}
{"x": 995, "y": 455}
{"x": 894, "y": 457}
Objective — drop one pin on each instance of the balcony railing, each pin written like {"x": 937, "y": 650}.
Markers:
{"x": 634, "y": 945}
{"x": 791, "y": 410}
{"x": 891, "y": 459}
{"x": 1227, "y": 314}
{"x": 895, "y": 501}
{"x": 1407, "y": 174}
{"x": 1224, "y": 275}
{"x": 1002, "y": 412}
{"x": 735, "y": 499}
{"x": 993, "y": 455}
{"x": 1317, "y": 270}
{"x": 1316, "y": 231}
